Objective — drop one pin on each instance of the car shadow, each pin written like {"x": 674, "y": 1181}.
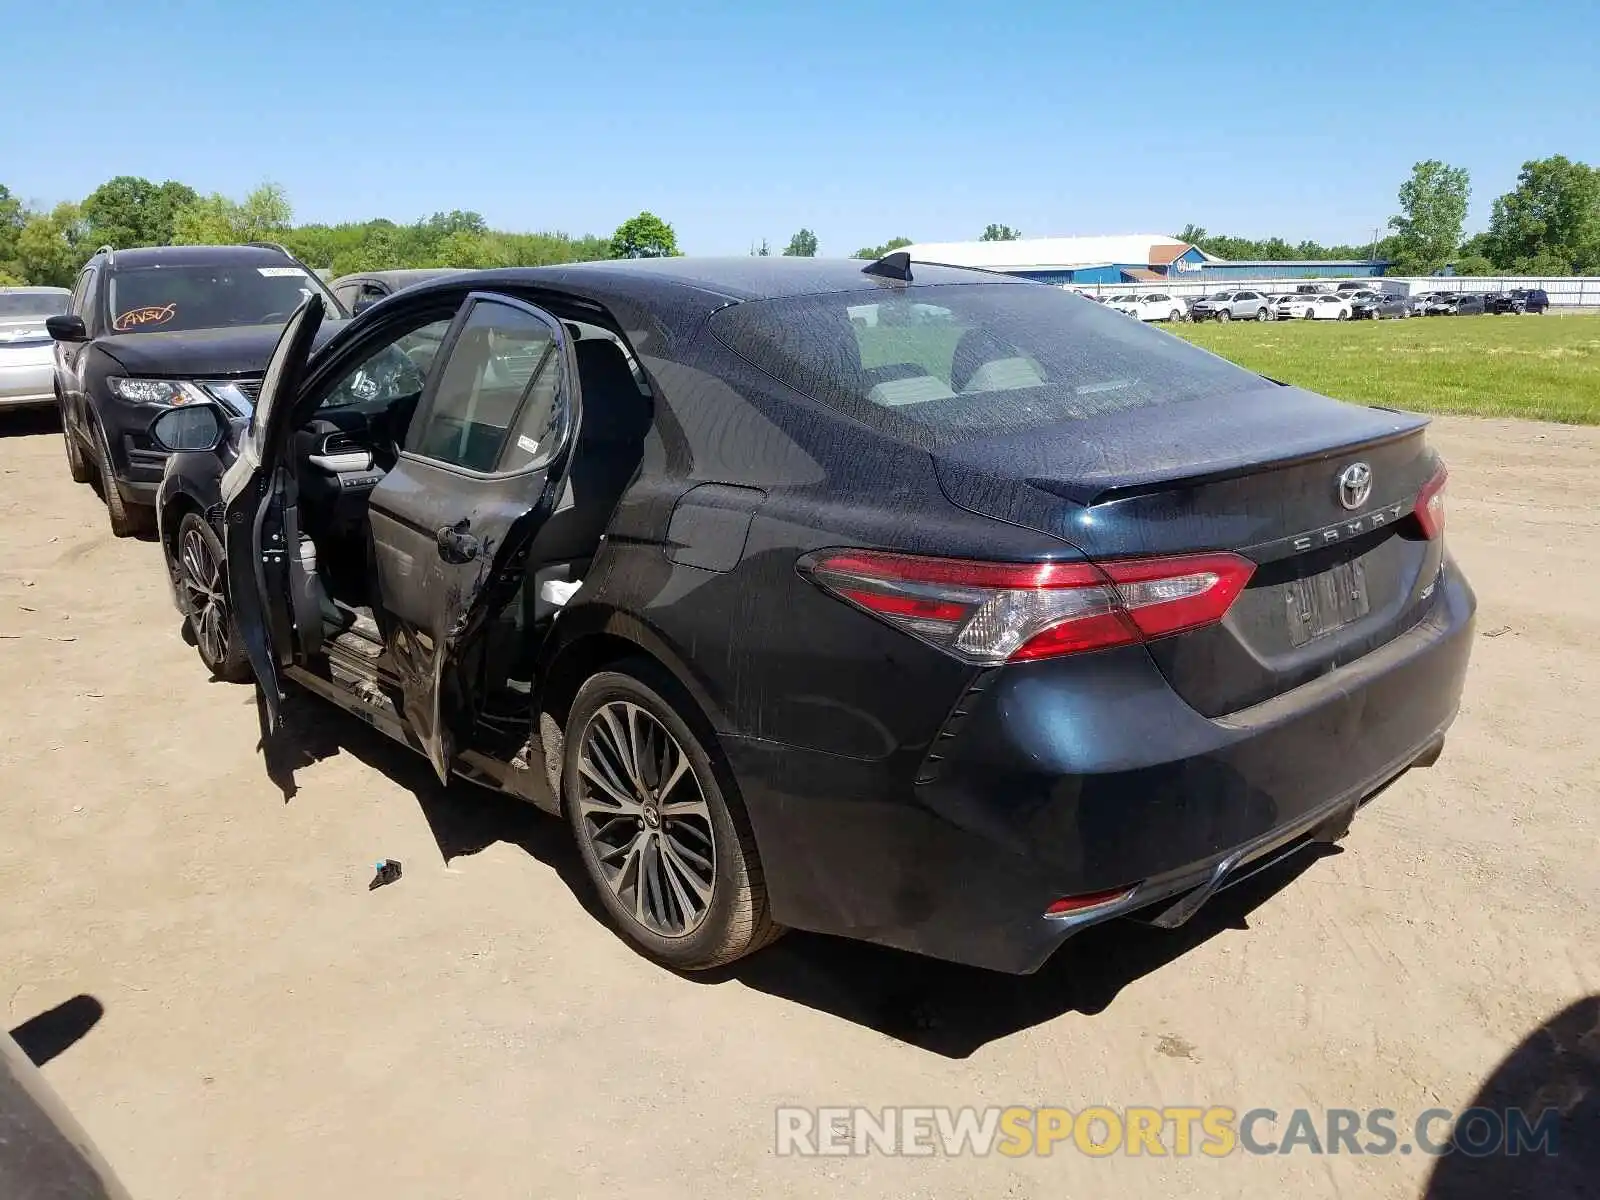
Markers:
{"x": 939, "y": 1007}
{"x": 463, "y": 817}
{"x": 27, "y": 422}
{"x": 1556, "y": 1070}
{"x": 953, "y": 1010}
{"x": 45, "y": 1036}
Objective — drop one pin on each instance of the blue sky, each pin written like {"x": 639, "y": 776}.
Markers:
{"x": 738, "y": 121}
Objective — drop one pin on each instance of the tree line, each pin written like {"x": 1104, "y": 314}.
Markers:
{"x": 50, "y": 246}
{"x": 1548, "y": 224}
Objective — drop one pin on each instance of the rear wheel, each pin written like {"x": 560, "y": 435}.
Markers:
{"x": 1261, "y": 314}
{"x": 127, "y": 520}
{"x": 203, "y": 596}
{"x": 665, "y": 841}
{"x": 1174, "y": 315}
{"x": 1344, "y": 314}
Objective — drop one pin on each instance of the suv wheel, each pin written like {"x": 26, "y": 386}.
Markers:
{"x": 1261, "y": 314}
{"x": 664, "y": 840}
{"x": 1224, "y": 315}
{"x": 127, "y": 520}
{"x": 203, "y": 597}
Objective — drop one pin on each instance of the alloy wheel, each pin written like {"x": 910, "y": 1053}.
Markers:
{"x": 201, "y": 578}
{"x": 646, "y": 818}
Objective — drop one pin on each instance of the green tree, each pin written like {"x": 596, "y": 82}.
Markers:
{"x": 1472, "y": 264}
{"x": 999, "y": 233}
{"x": 644, "y": 236}
{"x": 1553, "y": 213}
{"x": 51, "y": 247}
{"x": 1194, "y": 235}
{"x": 802, "y": 245}
{"x": 1542, "y": 264}
{"x": 130, "y": 211}
{"x": 12, "y": 218}
{"x": 215, "y": 220}
{"x": 1433, "y": 205}
{"x": 874, "y": 253}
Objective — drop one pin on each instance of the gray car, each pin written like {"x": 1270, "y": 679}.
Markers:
{"x": 1242, "y": 304}
{"x": 27, "y": 355}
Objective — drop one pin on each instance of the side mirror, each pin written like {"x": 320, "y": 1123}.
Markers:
{"x": 192, "y": 427}
{"x": 66, "y": 327}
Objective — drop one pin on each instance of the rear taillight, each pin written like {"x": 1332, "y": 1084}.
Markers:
{"x": 990, "y": 613}
{"x": 1430, "y": 504}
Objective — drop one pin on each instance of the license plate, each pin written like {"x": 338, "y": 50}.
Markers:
{"x": 1326, "y": 602}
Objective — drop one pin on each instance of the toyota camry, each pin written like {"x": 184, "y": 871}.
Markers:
{"x": 907, "y": 603}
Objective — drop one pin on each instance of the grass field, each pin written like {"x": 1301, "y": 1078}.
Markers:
{"x": 1546, "y": 368}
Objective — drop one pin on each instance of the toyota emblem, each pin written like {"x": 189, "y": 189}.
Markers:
{"x": 1355, "y": 485}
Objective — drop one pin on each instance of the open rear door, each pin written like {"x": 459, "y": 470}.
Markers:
{"x": 255, "y": 491}
{"x": 484, "y": 464}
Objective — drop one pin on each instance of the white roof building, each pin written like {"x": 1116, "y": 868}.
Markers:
{"x": 1053, "y": 253}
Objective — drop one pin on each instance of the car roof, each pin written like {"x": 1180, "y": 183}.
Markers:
{"x": 402, "y": 277}
{"x": 686, "y": 288}
{"x": 197, "y": 256}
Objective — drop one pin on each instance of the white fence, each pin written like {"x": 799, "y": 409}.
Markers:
{"x": 1568, "y": 293}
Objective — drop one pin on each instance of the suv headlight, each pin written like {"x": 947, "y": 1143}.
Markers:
{"x": 154, "y": 391}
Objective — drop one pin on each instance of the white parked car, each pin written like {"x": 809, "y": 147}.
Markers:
{"x": 1329, "y": 308}
{"x": 1293, "y": 306}
{"x": 1156, "y": 306}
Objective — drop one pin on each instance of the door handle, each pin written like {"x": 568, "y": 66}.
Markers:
{"x": 456, "y": 545}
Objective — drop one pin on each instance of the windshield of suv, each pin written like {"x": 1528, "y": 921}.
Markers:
{"x": 939, "y": 363}
{"x": 164, "y": 298}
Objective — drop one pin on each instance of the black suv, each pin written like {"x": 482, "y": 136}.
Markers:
{"x": 1519, "y": 301}
{"x": 151, "y": 328}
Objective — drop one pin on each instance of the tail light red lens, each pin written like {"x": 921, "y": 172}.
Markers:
{"x": 1069, "y": 906}
{"x": 989, "y": 613}
{"x": 1430, "y": 504}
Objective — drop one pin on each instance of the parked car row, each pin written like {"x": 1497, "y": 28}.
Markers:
{"x": 1348, "y": 301}
{"x": 809, "y": 595}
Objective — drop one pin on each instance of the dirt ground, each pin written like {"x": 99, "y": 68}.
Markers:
{"x": 271, "y": 1028}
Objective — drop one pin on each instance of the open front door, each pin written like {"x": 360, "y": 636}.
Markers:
{"x": 255, "y": 492}
{"x": 483, "y": 465}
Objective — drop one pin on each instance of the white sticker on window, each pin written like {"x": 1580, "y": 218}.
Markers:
{"x": 280, "y": 272}
{"x": 524, "y": 442}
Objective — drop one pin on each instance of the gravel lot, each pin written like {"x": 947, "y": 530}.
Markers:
{"x": 273, "y": 1029}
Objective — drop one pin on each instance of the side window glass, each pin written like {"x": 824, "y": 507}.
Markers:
{"x": 500, "y": 352}
{"x": 393, "y": 374}
{"x": 79, "y": 290}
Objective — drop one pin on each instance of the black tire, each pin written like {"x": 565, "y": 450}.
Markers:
{"x": 1174, "y": 316}
{"x": 127, "y": 520}
{"x": 78, "y": 464}
{"x": 1261, "y": 314}
{"x": 198, "y": 565}
{"x": 735, "y": 920}
{"x": 1224, "y": 315}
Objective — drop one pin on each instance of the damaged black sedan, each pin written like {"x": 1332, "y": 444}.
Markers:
{"x": 901, "y": 602}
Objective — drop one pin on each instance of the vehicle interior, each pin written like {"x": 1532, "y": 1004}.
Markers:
{"x": 497, "y": 401}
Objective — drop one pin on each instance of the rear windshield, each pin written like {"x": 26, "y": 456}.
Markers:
{"x": 936, "y": 364}
{"x": 14, "y": 305}
{"x": 150, "y": 299}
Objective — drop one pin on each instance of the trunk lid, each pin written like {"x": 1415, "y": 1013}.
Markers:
{"x": 1257, "y": 472}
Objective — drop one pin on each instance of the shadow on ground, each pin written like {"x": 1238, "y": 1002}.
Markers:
{"x": 935, "y": 1006}
{"x": 45, "y": 1036}
{"x": 1555, "y": 1070}
{"x": 25, "y": 422}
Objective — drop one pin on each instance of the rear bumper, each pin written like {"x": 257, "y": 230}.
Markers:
{"x": 1083, "y": 775}
{"x": 27, "y": 383}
